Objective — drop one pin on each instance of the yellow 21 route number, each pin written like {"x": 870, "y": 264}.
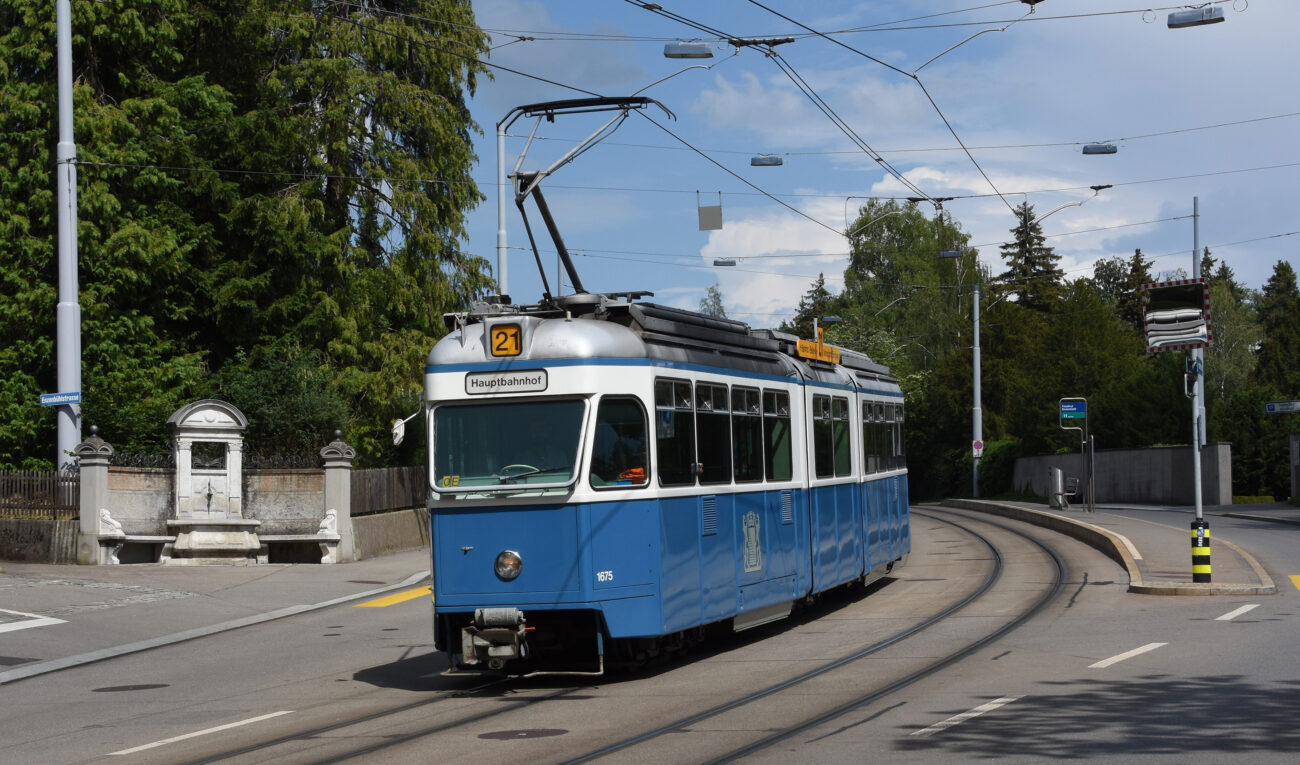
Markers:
{"x": 507, "y": 340}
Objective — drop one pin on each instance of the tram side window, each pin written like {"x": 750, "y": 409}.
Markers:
{"x": 891, "y": 438}
{"x": 840, "y": 435}
{"x": 900, "y": 449}
{"x": 777, "y": 462}
{"x": 713, "y": 421}
{"x": 618, "y": 453}
{"x": 823, "y": 438}
{"x": 869, "y": 458}
{"x": 674, "y": 432}
{"x": 747, "y": 434}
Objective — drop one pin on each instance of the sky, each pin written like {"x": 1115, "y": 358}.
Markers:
{"x": 1207, "y": 113}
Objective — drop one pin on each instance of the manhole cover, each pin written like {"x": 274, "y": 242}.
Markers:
{"x": 506, "y": 735}
{"x": 118, "y": 688}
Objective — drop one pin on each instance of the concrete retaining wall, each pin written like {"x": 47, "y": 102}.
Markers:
{"x": 385, "y": 533}
{"x": 1159, "y": 475}
{"x": 38, "y": 541}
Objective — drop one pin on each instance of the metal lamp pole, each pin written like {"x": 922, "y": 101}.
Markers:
{"x": 977, "y": 414}
{"x": 68, "y": 310}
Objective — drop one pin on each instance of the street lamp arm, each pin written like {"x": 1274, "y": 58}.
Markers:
{"x": 687, "y": 69}
{"x": 850, "y": 234}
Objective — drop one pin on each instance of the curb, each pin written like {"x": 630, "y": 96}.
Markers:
{"x": 1118, "y": 548}
{"x": 54, "y": 665}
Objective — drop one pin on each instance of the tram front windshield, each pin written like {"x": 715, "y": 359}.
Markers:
{"x": 505, "y": 445}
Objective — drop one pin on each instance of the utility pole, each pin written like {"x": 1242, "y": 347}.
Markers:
{"x": 977, "y": 414}
{"x": 68, "y": 310}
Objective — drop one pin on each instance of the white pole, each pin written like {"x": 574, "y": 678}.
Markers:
{"x": 977, "y": 414}
{"x": 68, "y": 311}
{"x": 1199, "y": 353}
{"x": 501, "y": 208}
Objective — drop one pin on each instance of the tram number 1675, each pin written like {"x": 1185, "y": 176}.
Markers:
{"x": 604, "y": 576}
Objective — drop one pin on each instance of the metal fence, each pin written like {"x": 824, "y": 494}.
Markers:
{"x": 379, "y": 489}
{"x": 40, "y": 494}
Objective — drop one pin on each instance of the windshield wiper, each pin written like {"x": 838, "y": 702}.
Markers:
{"x": 534, "y": 471}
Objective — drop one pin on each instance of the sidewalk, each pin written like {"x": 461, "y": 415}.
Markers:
{"x": 128, "y": 608}
{"x": 1158, "y": 557}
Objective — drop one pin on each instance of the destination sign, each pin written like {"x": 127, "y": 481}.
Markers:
{"x": 526, "y": 381}
{"x": 818, "y": 352}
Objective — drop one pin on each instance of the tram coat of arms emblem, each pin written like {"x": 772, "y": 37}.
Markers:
{"x": 753, "y": 546}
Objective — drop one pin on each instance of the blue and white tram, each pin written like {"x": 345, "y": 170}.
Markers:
{"x": 608, "y": 477}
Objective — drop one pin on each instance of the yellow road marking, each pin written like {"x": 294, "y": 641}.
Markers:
{"x": 1296, "y": 581}
{"x": 397, "y": 597}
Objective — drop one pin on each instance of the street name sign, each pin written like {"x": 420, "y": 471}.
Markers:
{"x": 60, "y": 399}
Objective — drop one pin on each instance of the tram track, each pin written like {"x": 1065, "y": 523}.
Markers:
{"x": 410, "y": 722}
{"x": 630, "y": 744}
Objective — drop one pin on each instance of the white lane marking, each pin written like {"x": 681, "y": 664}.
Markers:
{"x": 964, "y": 716}
{"x": 196, "y": 734}
{"x": 1234, "y": 614}
{"x": 1126, "y": 655}
{"x": 31, "y": 620}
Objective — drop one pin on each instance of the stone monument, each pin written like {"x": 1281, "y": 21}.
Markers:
{"x": 209, "y": 523}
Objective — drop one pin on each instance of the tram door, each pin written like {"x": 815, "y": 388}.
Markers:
{"x": 835, "y": 523}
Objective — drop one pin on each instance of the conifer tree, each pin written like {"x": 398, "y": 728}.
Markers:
{"x": 1278, "y": 362}
{"x": 1032, "y": 274}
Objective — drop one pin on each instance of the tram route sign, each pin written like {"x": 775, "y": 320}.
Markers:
{"x": 1282, "y": 407}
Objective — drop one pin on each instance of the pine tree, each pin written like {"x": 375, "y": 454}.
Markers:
{"x": 816, "y": 303}
{"x": 1130, "y": 300}
{"x": 1278, "y": 362}
{"x": 1032, "y": 274}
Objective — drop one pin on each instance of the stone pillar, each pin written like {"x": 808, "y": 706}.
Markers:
{"x": 93, "y": 456}
{"x": 338, "y": 456}
{"x": 234, "y": 479}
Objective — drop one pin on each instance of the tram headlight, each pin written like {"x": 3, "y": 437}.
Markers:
{"x": 509, "y": 564}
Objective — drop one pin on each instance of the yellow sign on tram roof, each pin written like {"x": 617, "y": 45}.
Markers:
{"x": 816, "y": 351}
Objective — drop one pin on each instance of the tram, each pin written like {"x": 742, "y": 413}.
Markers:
{"x": 611, "y": 478}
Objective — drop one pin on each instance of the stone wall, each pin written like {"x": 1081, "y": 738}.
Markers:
{"x": 387, "y": 533}
{"x": 38, "y": 541}
{"x": 140, "y": 498}
{"x": 1156, "y": 476}
{"x": 285, "y": 501}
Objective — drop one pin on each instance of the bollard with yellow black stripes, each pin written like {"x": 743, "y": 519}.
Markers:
{"x": 1200, "y": 551}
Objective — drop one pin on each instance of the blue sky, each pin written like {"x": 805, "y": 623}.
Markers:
{"x": 1208, "y": 112}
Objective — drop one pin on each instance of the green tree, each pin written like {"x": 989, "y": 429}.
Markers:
{"x": 816, "y": 303}
{"x": 249, "y": 172}
{"x": 1129, "y": 303}
{"x": 1278, "y": 363}
{"x": 1230, "y": 359}
{"x": 1033, "y": 274}
{"x": 711, "y": 303}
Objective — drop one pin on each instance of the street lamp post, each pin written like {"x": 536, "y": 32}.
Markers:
{"x": 977, "y": 412}
{"x": 68, "y": 311}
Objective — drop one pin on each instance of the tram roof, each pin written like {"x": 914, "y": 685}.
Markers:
{"x": 677, "y": 334}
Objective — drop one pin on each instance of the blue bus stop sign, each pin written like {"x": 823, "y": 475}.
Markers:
{"x": 1074, "y": 410}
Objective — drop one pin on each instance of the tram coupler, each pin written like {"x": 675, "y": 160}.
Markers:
{"x": 495, "y": 637}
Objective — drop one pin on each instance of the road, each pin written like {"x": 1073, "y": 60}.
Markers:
{"x": 1099, "y": 673}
